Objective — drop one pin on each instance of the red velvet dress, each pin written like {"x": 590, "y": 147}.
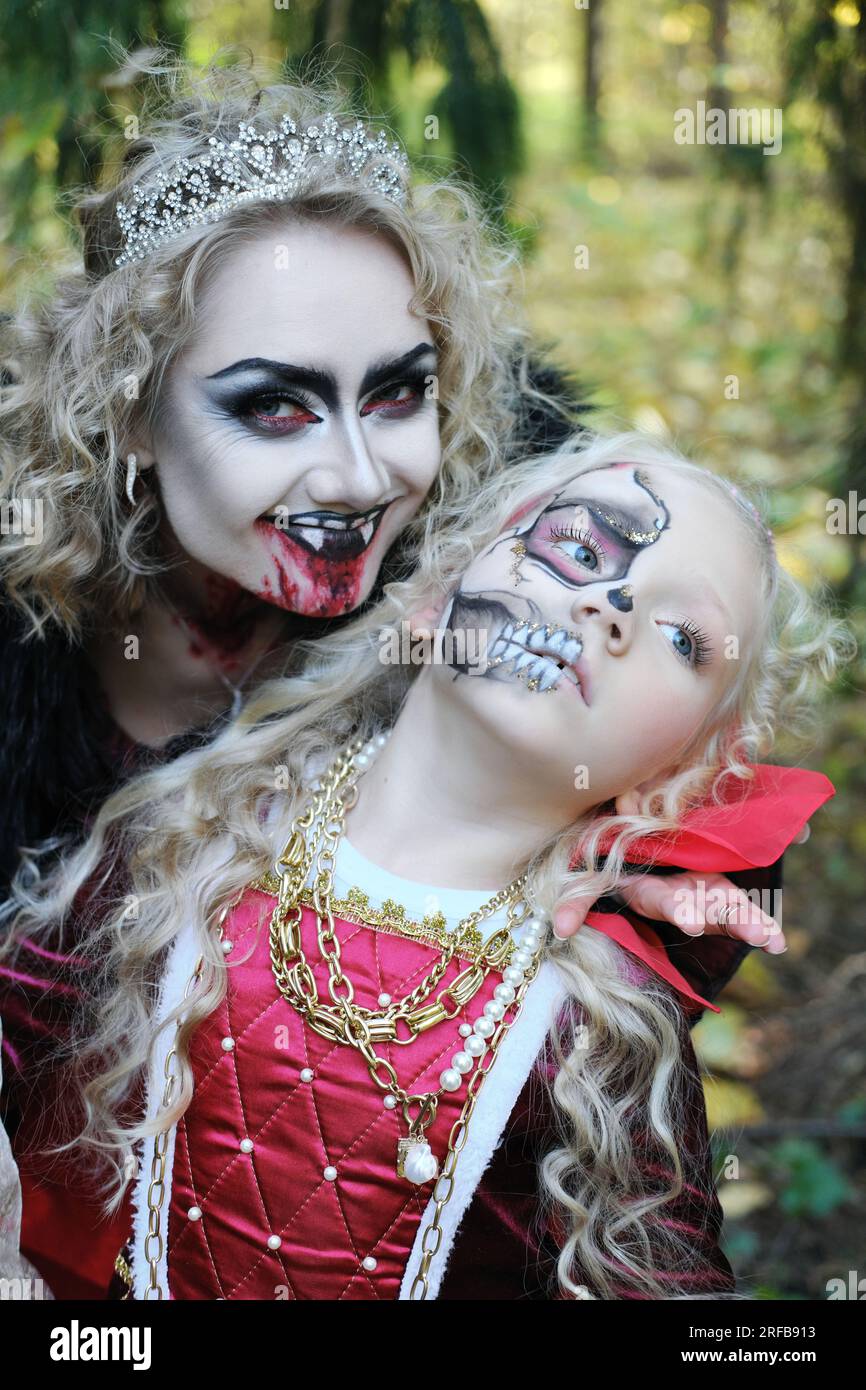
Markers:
{"x": 287, "y": 1141}
{"x": 65, "y": 1237}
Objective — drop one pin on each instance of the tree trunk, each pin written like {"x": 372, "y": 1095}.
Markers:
{"x": 591, "y": 80}
{"x": 717, "y": 93}
{"x": 337, "y": 21}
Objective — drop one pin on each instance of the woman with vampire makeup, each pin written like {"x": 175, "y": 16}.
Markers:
{"x": 223, "y": 432}
{"x": 338, "y": 1025}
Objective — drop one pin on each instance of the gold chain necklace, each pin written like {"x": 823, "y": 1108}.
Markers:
{"x": 360, "y": 1035}
{"x": 347, "y": 1023}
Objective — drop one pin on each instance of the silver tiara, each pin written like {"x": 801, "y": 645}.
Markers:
{"x": 272, "y": 165}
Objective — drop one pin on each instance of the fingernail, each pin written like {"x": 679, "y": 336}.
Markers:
{"x": 775, "y": 947}
{"x": 560, "y": 936}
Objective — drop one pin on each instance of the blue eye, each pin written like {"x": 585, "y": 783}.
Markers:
{"x": 690, "y": 644}
{"x": 587, "y": 550}
{"x": 582, "y": 554}
{"x": 682, "y": 641}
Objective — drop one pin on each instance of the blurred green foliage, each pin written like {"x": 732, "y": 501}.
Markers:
{"x": 813, "y": 1185}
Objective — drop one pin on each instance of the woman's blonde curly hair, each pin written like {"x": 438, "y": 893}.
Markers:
{"x": 618, "y": 1055}
{"x": 86, "y": 364}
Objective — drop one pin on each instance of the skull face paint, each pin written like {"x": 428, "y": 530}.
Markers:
{"x": 612, "y": 537}
{"x": 609, "y": 650}
{"x": 523, "y": 642}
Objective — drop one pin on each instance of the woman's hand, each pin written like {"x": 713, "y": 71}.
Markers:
{"x": 691, "y": 901}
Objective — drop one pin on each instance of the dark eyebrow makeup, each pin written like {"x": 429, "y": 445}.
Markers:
{"x": 322, "y": 382}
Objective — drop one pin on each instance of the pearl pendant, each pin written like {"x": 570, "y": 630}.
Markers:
{"x": 416, "y": 1161}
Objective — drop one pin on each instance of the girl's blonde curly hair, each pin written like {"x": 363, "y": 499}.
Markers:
{"x": 85, "y": 365}
{"x": 618, "y": 1056}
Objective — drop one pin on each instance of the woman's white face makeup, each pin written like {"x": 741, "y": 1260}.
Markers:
{"x": 297, "y": 437}
{"x": 608, "y": 611}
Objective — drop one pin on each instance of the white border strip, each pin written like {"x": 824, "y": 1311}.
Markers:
{"x": 185, "y": 952}
{"x": 496, "y": 1100}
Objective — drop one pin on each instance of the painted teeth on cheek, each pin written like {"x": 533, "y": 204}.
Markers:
{"x": 547, "y": 676}
{"x": 537, "y": 654}
{"x": 542, "y": 674}
{"x": 507, "y": 652}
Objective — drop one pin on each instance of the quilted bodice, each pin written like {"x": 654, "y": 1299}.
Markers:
{"x": 284, "y": 1181}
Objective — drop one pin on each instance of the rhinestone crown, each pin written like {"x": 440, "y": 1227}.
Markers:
{"x": 273, "y": 165}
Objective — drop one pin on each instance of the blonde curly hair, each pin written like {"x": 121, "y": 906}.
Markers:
{"x": 158, "y": 830}
{"x": 67, "y": 404}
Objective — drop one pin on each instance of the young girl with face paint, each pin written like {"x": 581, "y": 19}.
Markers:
{"x": 343, "y": 909}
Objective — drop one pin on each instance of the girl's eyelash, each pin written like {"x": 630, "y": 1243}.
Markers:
{"x": 568, "y": 533}
{"x": 702, "y": 646}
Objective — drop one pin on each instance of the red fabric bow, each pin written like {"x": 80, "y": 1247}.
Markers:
{"x": 752, "y": 829}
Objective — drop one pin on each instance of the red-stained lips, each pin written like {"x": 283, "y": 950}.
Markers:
{"x": 332, "y": 535}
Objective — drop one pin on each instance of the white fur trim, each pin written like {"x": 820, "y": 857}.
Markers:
{"x": 496, "y": 1100}
{"x": 182, "y": 961}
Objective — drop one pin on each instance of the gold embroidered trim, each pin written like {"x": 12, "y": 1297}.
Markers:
{"x": 391, "y": 918}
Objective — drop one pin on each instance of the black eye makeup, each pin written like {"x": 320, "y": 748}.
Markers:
{"x": 282, "y": 412}
{"x": 278, "y": 410}
{"x": 273, "y": 412}
{"x": 605, "y": 546}
{"x": 387, "y": 401}
{"x": 278, "y": 398}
